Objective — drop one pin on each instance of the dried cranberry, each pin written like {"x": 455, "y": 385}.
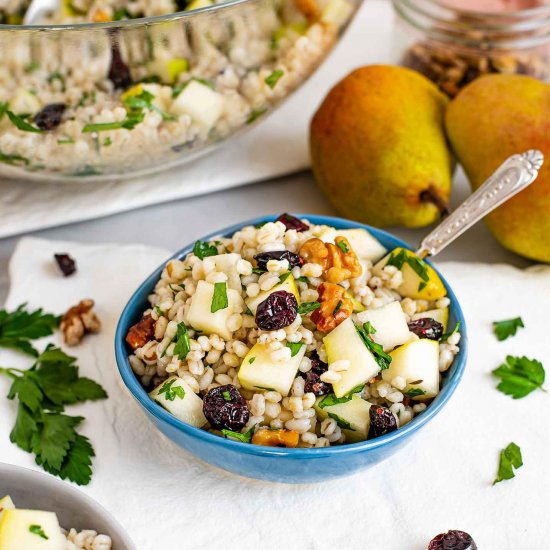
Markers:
{"x": 225, "y": 408}
{"x": 427, "y": 328}
{"x": 65, "y": 263}
{"x": 382, "y": 421}
{"x": 50, "y": 116}
{"x": 277, "y": 311}
{"x": 119, "y": 72}
{"x": 292, "y": 222}
{"x": 293, "y": 259}
{"x": 453, "y": 540}
{"x": 313, "y": 382}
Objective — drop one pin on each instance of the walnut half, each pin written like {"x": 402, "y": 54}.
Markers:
{"x": 335, "y": 308}
{"x": 339, "y": 261}
{"x": 78, "y": 321}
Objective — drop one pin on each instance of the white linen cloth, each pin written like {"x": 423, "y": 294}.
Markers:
{"x": 274, "y": 148}
{"x": 169, "y": 500}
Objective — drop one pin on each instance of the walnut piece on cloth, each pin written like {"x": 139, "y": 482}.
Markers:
{"x": 78, "y": 321}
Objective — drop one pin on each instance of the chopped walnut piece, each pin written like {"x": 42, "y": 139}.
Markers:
{"x": 309, "y": 9}
{"x": 339, "y": 261}
{"x": 276, "y": 438}
{"x": 335, "y": 308}
{"x": 78, "y": 321}
{"x": 140, "y": 333}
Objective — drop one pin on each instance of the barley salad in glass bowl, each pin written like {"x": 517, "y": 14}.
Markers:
{"x": 108, "y": 89}
{"x": 294, "y": 334}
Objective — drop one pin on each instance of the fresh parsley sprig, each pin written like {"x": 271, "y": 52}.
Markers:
{"x": 305, "y": 308}
{"x": 19, "y": 327}
{"x": 510, "y": 458}
{"x": 519, "y": 376}
{"x": 203, "y": 249}
{"x": 415, "y": 263}
{"x": 40, "y": 427}
{"x": 507, "y": 328}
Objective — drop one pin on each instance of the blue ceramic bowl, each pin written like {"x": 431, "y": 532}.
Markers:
{"x": 274, "y": 463}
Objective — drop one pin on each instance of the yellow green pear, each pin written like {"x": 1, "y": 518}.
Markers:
{"x": 494, "y": 117}
{"x": 378, "y": 147}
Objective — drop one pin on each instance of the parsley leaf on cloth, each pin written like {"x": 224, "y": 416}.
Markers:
{"x": 510, "y": 458}
{"x": 40, "y": 426}
{"x": 519, "y": 376}
{"x": 18, "y": 327}
{"x": 509, "y": 327}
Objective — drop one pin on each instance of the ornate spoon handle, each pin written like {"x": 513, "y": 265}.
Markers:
{"x": 511, "y": 177}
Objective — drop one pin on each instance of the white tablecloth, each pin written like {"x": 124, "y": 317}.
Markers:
{"x": 274, "y": 148}
{"x": 442, "y": 480}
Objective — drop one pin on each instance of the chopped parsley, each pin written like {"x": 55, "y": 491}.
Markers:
{"x": 337, "y": 308}
{"x": 343, "y": 246}
{"x": 171, "y": 391}
{"x": 447, "y": 335}
{"x": 519, "y": 376}
{"x": 37, "y": 530}
{"x": 505, "y": 329}
{"x": 264, "y": 388}
{"x": 243, "y": 438}
{"x": 307, "y": 307}
{"x": 341, "y": 422}
{"x": 219, "y": 298}
{"x": 203, "y": 249}
{"x": 129, "y": 123}
{"x": 274, "y": 77}
{"x": 510, "y": 458}
{"x": 414, "y": 392}
{"x": 302, "y": 279}
{"x": 182, "y": 347}
{"x": 107, "y": 142}
{"x": 255, "y": 115}
{"x": 331, "y": 400}
{"x": 226, "y": 395}
{"x": 22, "y": 124}
{"x": 65, "y": 141}
{"x": 284, "y": 277}
{"x": 258, "y": 270}
{"x": 14, "y": 160}
{"x": 251, "y": 360}
{"x": 135, "y": 105}
{"x": 380, "y": 356}
{"x": 294, "y": 348}
{"x": 420, "y": 267}
{"x": 59, "y": 77}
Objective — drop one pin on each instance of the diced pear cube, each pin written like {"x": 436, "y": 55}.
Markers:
{"x": 390, "y": 323}
{"x": 259, "y": 371}
{"x": 418, "y": 363}
{"x": 345, "y": 343}
{"x": 200, "y": 316}
{"x": 24, "y": 103}
{"x": 288, "y": 285}
{"x": 204, "y": 105}
{"x": 352, "y": 416}
{"x": 228, "y": 264}
{"x": 337, "y": 12}
{"x": 441, "y": 315}
{"x": 6, "y": 503}
{"x": 30, "y": 530}
{"x": 365, "y": 246}
{"x": 183, "y": 404}
{"x": 413, "y": 286}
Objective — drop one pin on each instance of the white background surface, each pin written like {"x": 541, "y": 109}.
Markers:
{"x": 442, "y": 480}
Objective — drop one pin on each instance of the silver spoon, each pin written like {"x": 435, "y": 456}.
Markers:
{"x": 512, "y": 176}
{"x": 38, "y": 10}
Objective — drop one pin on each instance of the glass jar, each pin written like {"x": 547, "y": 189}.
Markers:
{"x": 452, "y": 45}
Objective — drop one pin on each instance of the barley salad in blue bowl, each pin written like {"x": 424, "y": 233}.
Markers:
{"x": 292, "y": 348}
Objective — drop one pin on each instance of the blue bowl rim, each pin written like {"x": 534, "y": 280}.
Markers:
{"x": 160, "y": 414}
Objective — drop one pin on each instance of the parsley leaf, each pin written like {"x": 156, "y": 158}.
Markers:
{"x": 294, "y": 348}
{"x": 183, "y": 346}
{"x": 445, "y": 337}
{"x": 519, "y": 376}
{"x": 507, "y": 328}
{"x": 20, "y": 326}
{"x": 273, "y": 78}
{"x": 343, "y": 246}
{"x": 414, "y": 392}
{"x": 330, "y": 400}
{"x": 202, "y": 249}
{"x": 284, "y": 277}
{"x": 415, "y": 263}
{"x": 40, "y": 426}
{"x": 251, "y": 360}
{"x": 307, "y": 307}
{"x": 255, "y": 114}
{"x": 37, "y": 530}
{"x": 129, "y": 123}
{"x": 244, "y": 438}
{"x": 219, "y": 298}
{"x": 337, "y": 308}
{"x": 171, "y": 391}
{"x": 380, "y": 356}
{"x": 341, "y": 422}
{"x": 510, "y": 458}
{"x": 22, "y": 124}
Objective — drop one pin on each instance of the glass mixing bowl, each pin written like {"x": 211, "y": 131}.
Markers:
{"x": 121, "y": 98}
